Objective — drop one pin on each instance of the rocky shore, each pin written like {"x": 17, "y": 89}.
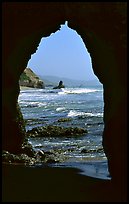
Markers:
{"x": 29, "y": 156}
{"x": 32, "y": 176}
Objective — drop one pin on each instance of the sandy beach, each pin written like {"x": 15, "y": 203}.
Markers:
{"x": 51, "y": 184}
{"x": 25, "y": 88}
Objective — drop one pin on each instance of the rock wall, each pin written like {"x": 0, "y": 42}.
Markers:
{"x": 103, "y": 28}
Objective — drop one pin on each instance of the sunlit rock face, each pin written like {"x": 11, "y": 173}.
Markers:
{"x": 102, "y": 27}
{"x": 29, "y": 79}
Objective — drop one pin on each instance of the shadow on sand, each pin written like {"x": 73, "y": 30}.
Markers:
{"x": 52, "y": 184}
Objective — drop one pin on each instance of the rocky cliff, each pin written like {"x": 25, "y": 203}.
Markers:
{"x": 30, "y": 79}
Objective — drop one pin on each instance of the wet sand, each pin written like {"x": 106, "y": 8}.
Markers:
{"x": 53, "y": 184}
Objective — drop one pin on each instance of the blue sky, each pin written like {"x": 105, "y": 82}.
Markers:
{"x": 62, "y": 54}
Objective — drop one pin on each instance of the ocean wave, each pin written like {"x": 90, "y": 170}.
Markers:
{"x": 32, "y": 104}
{"x": 60, "y": 108}
{"x": 74, "y": 113}
{"x": 77, "y": 90}
{"x": 59, "y": 91}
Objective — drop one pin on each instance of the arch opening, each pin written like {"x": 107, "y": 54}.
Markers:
{"x": 79, "y": 104}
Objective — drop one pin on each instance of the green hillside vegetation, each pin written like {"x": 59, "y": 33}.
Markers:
{"x": 24, "y": 77}
{"x": 29, "y": 79}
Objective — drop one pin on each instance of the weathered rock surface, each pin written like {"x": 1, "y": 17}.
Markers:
{"x": 61, "y": 120}
{"x": 30, "y": 79}
{"x": 55, "y": 131}
{"x": 17, "y": 158}
{"x": 28, "y": 156}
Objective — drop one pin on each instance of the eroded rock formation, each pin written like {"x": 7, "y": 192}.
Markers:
{"x": 30, "y": 79}
{"x": 103, "y": 28}
{"x": 60, "y": 85}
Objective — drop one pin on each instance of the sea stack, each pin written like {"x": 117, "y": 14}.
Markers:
{"x": 60, "y": 85}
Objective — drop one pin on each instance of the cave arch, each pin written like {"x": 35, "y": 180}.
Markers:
{"x": 103, "y": 27}
{"x": 38, "y": 61}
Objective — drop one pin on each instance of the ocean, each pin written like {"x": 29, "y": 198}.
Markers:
{"x": 83, "y": 107}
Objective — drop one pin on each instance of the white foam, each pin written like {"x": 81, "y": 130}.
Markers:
{"x": 74, "y": 113}
{"x": 77, "y": 90}
{"x": 60, "y": 108}
{"x": 33, "y": 104}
